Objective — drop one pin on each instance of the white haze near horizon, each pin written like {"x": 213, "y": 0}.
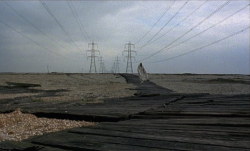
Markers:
{"x": 111, "y": 24}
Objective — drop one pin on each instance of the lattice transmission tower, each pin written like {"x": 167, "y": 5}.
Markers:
{"x": 130, "y": 54}
{"x": 117, "y": 65}
{"x": 92, "y": 56}
{"x": 101, "y": 65}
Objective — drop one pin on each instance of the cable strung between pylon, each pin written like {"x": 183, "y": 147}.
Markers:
{"x": 197, "y": 49}
{"x": 184, "y": 19}
{"x": 27, "y": 37}
{"x": 74, "y": 12}
{"x": 80, "y": 21}
{"x": 155, "y": 23}
{"x": 45, "y": 6}
{"x": 191, "y": 29}
{"x": 33, "y": 25}
{"x": 165, "y": 24}
{"x": 208, "y": 28}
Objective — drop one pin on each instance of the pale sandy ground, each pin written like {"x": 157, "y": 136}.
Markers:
{"x": 83, "y": 87}
{"x": 213, "y": 84}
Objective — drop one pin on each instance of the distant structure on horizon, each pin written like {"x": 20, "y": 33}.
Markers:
{"x": 130, "y": 54}
{"x": 116, "y": 66}
{"x": 92, "y": 56}
{"x": 101, "y": 65}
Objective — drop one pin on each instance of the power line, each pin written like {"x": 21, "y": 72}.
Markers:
{"x": 33, "y": 25}
{"x": 75, "y": 14}
{"x": 197, "y": 49}
{"x": 80, "y": 22}
{"x": 164, "y": 13}
{"x": 165, "y": 25}
{"x": 27, "y": 37}
{"x": 184, "y": 19}
{"x": 39, "y": 30}
{"x": 45, "y": 6}
{"x": 210, "y": 27}
{"x": 229, "y": 16}
{"x": 191, "y": 29}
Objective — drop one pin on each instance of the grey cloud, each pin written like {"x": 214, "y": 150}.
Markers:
{"x": 111, "y": 24}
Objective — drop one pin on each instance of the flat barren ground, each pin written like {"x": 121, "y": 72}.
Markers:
{"x": 65, "y": 87}
{"x": 86, "y": 88}
{"x": 91, "y": 88}
{"x": 203, "y": 83}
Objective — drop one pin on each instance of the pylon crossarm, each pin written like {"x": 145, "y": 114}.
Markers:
{"x": 134, "y": 51}
{"x": 97, "y": 51}
{"x": 124, "y": 52}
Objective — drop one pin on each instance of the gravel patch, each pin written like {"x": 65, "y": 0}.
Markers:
{"x": 17, "y": 126}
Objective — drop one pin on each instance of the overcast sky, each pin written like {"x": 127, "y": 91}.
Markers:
{"x": 31, "y": 39}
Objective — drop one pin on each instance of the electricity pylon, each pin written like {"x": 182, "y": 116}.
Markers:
{"x": 116, "y": 65}
{"x": 48, "y": 68}
{"x": 113, "y": 68}
{"x": 130, "y": 54}
{"x": 92, "y": 57}
{"x": 101, "y": 66}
